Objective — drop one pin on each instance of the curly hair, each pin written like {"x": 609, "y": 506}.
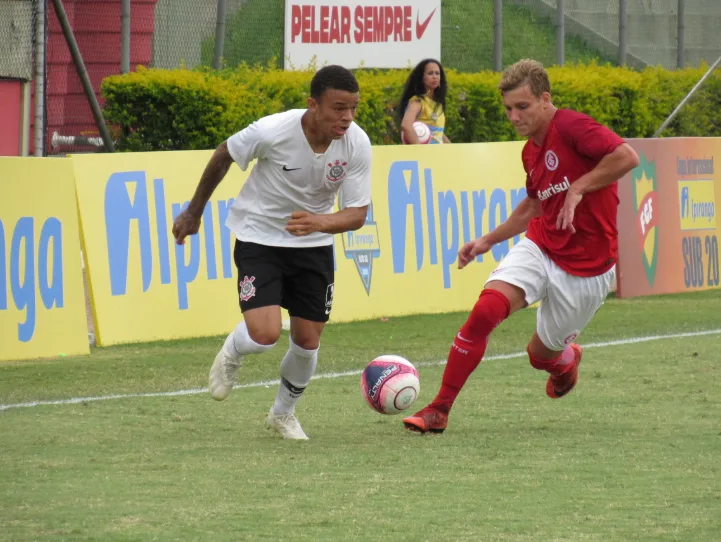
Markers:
{"x": 414, "y": 87}
{"x": 332, "y": 77}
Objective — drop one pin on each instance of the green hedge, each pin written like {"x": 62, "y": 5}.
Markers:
{"x": 184, "y": 109}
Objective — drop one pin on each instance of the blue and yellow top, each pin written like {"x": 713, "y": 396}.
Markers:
{"x": 431, "y": 114}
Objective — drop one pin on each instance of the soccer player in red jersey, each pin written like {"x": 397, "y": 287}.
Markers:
{"x": 567, "y": 260}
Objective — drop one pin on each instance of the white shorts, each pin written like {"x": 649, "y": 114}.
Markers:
{"x": 567, "y": 302}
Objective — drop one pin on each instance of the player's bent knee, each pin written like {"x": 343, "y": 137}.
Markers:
{"x": 489, "y": 311}
{"x": 263, "y": 327}
{"x": 307, "y": 344}
{"x": 264, "y": 337}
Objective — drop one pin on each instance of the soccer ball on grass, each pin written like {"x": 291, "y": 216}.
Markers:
{"x": 390, "y": 384}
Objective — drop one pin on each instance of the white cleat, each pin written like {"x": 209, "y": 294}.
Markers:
{"x": 222, "y": 375}
{"x": 286, "y": 425}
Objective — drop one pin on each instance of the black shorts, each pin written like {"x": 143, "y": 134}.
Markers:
{"x": 298, "y": 279}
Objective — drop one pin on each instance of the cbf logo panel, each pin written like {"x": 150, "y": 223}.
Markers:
{"x": 645, "y": 198}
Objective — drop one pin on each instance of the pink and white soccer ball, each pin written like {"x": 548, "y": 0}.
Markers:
{"x": 390, "y": 384}
{"x": 422, "y": 131}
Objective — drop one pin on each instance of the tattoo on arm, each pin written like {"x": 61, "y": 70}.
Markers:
{"x": 214, "y": 172}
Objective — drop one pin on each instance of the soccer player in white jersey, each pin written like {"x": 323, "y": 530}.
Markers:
{"x": 284, "y": 223}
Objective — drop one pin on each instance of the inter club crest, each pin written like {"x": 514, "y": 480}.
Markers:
{"x": 551, "y": 161}
{"x": 645, "y": 198}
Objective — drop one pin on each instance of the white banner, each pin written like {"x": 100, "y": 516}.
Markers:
{"x": 367, "y": 33}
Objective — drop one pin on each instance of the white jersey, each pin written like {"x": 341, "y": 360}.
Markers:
{"x": 288, "y": 176}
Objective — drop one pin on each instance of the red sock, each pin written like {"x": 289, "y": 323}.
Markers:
{"x": 557, "y": 366}
{"x": 470, "y": 344}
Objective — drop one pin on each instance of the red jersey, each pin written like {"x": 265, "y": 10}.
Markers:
{"x": 573, "y": 146}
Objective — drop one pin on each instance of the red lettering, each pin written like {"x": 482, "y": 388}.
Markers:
{"x": 314, "y": 32}
{"x": 307, "y": 22}
{"x": 294, "y": 22}
{"x": 358, "y": 34}
{"x": 345, "y": 24}
{"x": 339, "y": 25}
{"x": 407, "y": 33}
{"x": 388, "y": 12}
{"x": 333, "y": 24}
{"x": 368, "y": 15}
{"x": 324, "y": 10}
{"x": 378, "y": 27}
{"x": 397, "y": 23}
{"x": 334, "y": 34}
{"x": 374, "y": 24}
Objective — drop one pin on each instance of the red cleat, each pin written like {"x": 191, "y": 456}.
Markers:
{"x": 429, "y": 420}
{"x": 560, "y": 385}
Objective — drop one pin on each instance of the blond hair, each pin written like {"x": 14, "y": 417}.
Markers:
{"x": 526, "y": 72}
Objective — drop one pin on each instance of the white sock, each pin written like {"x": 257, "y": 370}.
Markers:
{"x": 240, "y": 344}
{"x": 296, "y": 369}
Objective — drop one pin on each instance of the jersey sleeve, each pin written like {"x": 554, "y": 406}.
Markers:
{"x": 588, "y": 137}
{"x": 530, "y": 192}
{"x": 250, "y": 143}
{"x": 525, "y": 158}
{"x": 356, "y": 190}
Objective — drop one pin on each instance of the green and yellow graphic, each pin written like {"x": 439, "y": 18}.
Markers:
{"x": 645, "y": 198}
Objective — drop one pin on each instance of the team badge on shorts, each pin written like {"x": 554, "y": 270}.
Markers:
{"x": 247, "y": 290}
{"x": 329, "y": 297}
{"x": 551, "y": 161}
{"x": 336, "y": 171}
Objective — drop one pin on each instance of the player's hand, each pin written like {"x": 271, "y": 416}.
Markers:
{"x": 302, "y": 223}
{"x": 186, "y": 223}
{"x": 471, "y": 250}
{"x": 565, "y": 217}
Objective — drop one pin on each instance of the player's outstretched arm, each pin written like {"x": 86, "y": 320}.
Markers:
{"x": 304, "y": 223}
{"x": 188, "y": 222}
{"x": 516, "y": 224}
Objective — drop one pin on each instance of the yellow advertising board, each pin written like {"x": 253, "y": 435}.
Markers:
{"x": 697, "y": 204}
{"x": 426, "y": 202}
{"x": 42, "y": 303}
{"x": 144, "y": 286}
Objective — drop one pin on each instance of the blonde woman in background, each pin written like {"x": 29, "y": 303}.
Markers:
{"x": 424, "y": 100}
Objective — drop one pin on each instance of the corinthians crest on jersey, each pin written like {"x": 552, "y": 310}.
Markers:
{"x": 336, "y": 171}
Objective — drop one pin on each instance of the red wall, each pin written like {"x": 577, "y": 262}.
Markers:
{"x": 96, "y": 25}
{"x": 11, "y": 116}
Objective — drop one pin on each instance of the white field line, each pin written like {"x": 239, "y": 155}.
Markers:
{"x": 267, "y": 383}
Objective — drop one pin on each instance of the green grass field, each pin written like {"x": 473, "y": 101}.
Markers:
{"x": 632, "y": 454}
{"x": 254, "y": 34}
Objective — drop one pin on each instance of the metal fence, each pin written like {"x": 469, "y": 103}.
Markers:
{"x": 476, "y": 35}
{"x": 17, "y": 38}
{"x": 21, "y": 30}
